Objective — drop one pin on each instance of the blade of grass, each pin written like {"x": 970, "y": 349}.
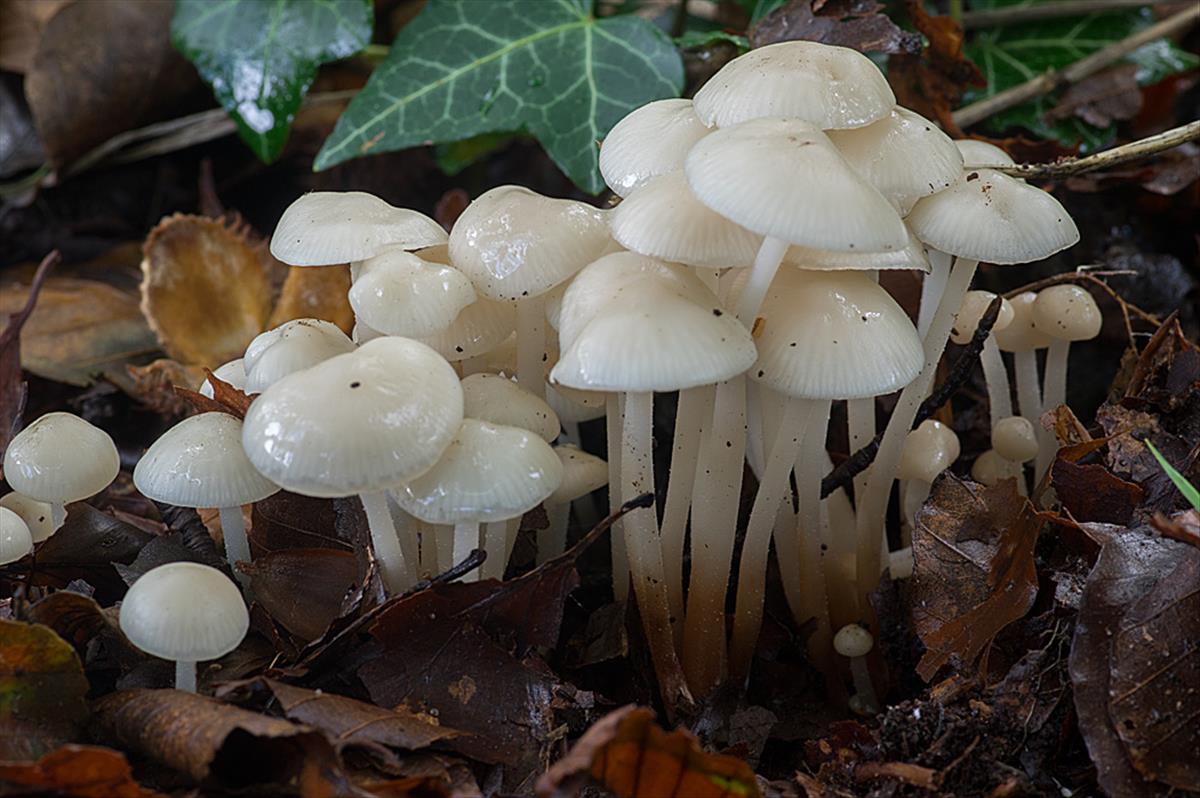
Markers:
{"x": 1188, "y": 490}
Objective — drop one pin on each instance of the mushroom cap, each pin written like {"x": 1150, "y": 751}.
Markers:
{"x": 15, "y": 538}
{"x": 1021, "y": 335}
{"x": 834, "y": 335}
{"x": 1067, "y": 312}
{"x": 38, "y": 516}
{"x": 980, "y": 153}
{"x": 398, "y": 293}
{"x": 184, "y": 611}
{"x": 784, "y": 178}
{"x": 358, "y": 422}
{"x": 325, "y": 228}
{"x": 363, "y": 333}
{"x": 832, "y": 87}
{"x": 233, "y": 372}
{"x": 911, "y": 256}
{"x": 200, "y": 462}
{"x": 989, "y": 468}
{"x": 487, "y": 473}
{"x": 1015, "y": 439}
{"x": 582, "y": 474}
{"x": 649, "y": 141}
{"x": 514, "y": 243}
{"x": 989, "y": 216}
{"x": 61, "y": 458}
{"x": 662, "y": 218}
{"x": 928, "y": 451}
{"x": 498, "y": 400}
{"x": 904, "y": 155}
{"x": 479, "y": 328}
{"x": 853, "y": 640}
{"x": 974, "y": 304}
{"x": 291, "y": 347}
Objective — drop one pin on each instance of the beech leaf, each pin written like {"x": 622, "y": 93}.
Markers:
{"x": 42, "y": 689}
{"x": 75, "y": 771}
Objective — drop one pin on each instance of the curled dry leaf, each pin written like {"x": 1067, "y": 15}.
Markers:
{"x": 1103, "y": 98}
{"x": 12, "y": 387}
{"x": 630, "y": 755}
{"x": 303, "y": 589}
{"x": 154, "y": 385}
{"x": 42, "y": 689}
{"x": 86, "y": 548}
{"x": 75, "y": 771}
{"x": 973, "y": 569}
{"x": 206, "y": 290}
{"x": 76, "y": 618}
{"x": 315, "y": 293}
{"x": 859, "y": 24}
{"x": 21, "y": 28}
{"x": 1091, "y": 492}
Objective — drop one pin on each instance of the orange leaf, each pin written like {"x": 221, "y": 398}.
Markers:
{"x": 318, "y": 292}
{"x": 79, "y": 771}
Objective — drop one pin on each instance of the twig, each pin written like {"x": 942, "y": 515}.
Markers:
{"x": 1133, "y": 151}
{"x": 1010, "y": 15}
{"x": 1073, "y": 73}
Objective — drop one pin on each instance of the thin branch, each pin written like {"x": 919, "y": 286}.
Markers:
{"x": 1073, "y": 73}
{"x": 1125, "y": 153}
{"x": 1010, "y": 15}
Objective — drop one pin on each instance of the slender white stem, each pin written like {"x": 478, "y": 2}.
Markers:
{"x": 787, "y": 554}
{"x": 644, "y": 546}
{"x": 237, "y": 548}
{"x": 552, "y": 541}
{"x": 766, "y": 263}
{"x": 614, "y": 420}
{"x": 916, "y": 491}
{"x": 773, "y": 490}
{"x": 693, "y": 414}
{"x": 999, "y": 400}
{"x": 1029, "y": 397}
{"x": 860, "y": 423}
{"x": 839, "y": 526}
{"x": 397, "y": 572}
{"x": 756, "y": 446}
{"x": 809, "y": 467}
{"x": 932, "y": 289}
{"x": 185, "y": 675}
{"x": 531, "y": 344}
{"x": 1055, "y": 394}
{"x": 443, "y": 537}
{"x": 495, "y": 544}
{"x": 466, "y": 540}
{"x": 427, "y": 560}
{"x": 862, "y": 684}
{"x": 873, "y": 508}
{"x": 406, "y": 533}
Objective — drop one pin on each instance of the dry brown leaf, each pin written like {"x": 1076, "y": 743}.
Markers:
{"x": 860, "y": 24}
{"x": 303, "y": 589}
{"x": 315, "y": 292}
{"x": 75, "y": 771}
{"x": 21, "y": 24}
{"x": 205, "y": 288}
{"x": 13, "y": 389}
{"x": 154, "y": 385}
{"x": 42, "y": 689}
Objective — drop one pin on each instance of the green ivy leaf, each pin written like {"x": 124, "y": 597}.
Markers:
{"x": 260, "y": 56}
{"x": 705, "y": 38}
{"x": 548, "y": 67}
{"x": 1013, "y": 54}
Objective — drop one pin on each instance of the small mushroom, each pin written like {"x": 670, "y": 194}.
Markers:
{"x": 38, "y": 516}
{"x": 1015, "y": 441}
{"x": 185, "y": 612}
{"x": 1023, "y": 339}
{"x": 15, "y": 538}
{"x": 399, "y": 293}
{"x": 649, "y": 141}
{"x": 499, "y": 400}
{"x": 966, "y": 321}
{"x": 582, "y": 474}
{"x": 989, "y": 468}
{"x": 855, "y": 642}
{"x": 327, "y": 228}
{"x": 291, "y": 347}
{"x": 233, "y": 372}
{"x": 928, "y": 451}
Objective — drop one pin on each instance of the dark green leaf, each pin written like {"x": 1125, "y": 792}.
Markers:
{"x": 455, "y": 156}
{"x": 260, "y": 57}
{"x": 1188, "y": 490}
{"x": 464, "y": 68}
{"x": 703, "y": 38}
{"x": 1013, "y": 54}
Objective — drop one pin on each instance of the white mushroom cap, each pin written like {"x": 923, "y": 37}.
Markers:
{"x": 1067, "y": 312}
{"x": 1021, "y": 335}
{"x": 989, "y": 216}
{"x": 904, "y": 155}
{"x": 834, "y": 335}
{"x": 663, "y": 219}
{"x": 1015, "y": 439}
{"x": 514, "y": 243}
{"x": 649, "y": 141}
{"x": 989, "y": 468}
{"x": 974, "y": 304}
{"x": 38, "y": 516}
{"x": 326, "y": 228}
{"x": 479, "y": 328}
{"x": 15, "y": 538}
{"x": 574, "y": 406}
{"x": 784, "y": 178}
{"x": 398, "y": 293}
{"x": 363, "y": 333}
{"x": 200, "y": 462}
{"x": 911, "y": 256}
{"x": 853, "y": 640}
{"x": 290, "y": 347}
{"x": 499, "y": 400}
{"x": 582, "y": 474}
{"x": 928, "y": 451}
{"x": 61, "y": 458}
{"x": 184, "y": 611}
{"x": 832, "y": 87}
{"x": 488, "y": 473}
{"x": 358, "y": 422}
{"x": 981, "y": 153}
{"x": 233, "y": 372}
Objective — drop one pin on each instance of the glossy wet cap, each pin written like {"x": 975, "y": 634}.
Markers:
{"x": 928, "y": 451}
{"x": 989, "y": 468}
{"x": 61, "y": 458}
{"x": 398, "y": 293}
{"x": 1021, "y": 335}
{"x": 974, "y": 305}
{"x": 498, "y": 400}
{"x": 291, "y": 347}
{"x": 325, "y": 228}
{"x": 1015, "y": 439}
{"x": 15, "y": 538}
{"x": 481, "y": 327}
{"x": 582, "y": 474}
{"x": 233, "y": 372}
{"x": 184, "y": 611}
{"x": 649, "y": 141}
{"x": 38, "y": 516}
{"x": 1067, "y": 312}
{"x": 980, "y": 153}
{"x": 200, "y": 462}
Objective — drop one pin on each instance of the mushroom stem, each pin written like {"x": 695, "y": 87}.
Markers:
{"x": 862, "y": 684}
{"x": 552, "y": 541}
{"x": 860, "y": 424}
{"x": 1029, "y": 396}
{"x": 916, "y": 491}
{"x": 766, "y": 263}
{"x": 996, "y": 378}
{"x": 932, "y": 288}
{"x": 531, "y": 344}
{"x": 237, "y": 548}
{"x": 787, "y": 553}
{"x": 809, "y": 468}
{"x": 752, "y": 572}
{"x": 393, "y": 567}
{"x": 873, "y": 508}
{"x": 839, "y": 537}
{"x": 58, "y": 514}
{"x": 443, "y": 537}
{"x": 466, "y": 540}
{"x": 185, "y": 676}
{"x": 1054, "y": 393}
{"x": 693, "y": 412}
{"x": 900, "y": 563}
{"x": 614, "y": 420}
{"x": 644, "y": 546}
{"x": 756, "y": 445}
{"x": 427, "y": 559}
{"x": 495, "y": 545}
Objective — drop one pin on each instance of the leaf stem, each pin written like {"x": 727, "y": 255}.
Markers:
{"x": 1125, "y": 153}
{"x": 1009, "y": 15}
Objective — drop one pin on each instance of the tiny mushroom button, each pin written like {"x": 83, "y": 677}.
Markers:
{"x": 15, "y": 538}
